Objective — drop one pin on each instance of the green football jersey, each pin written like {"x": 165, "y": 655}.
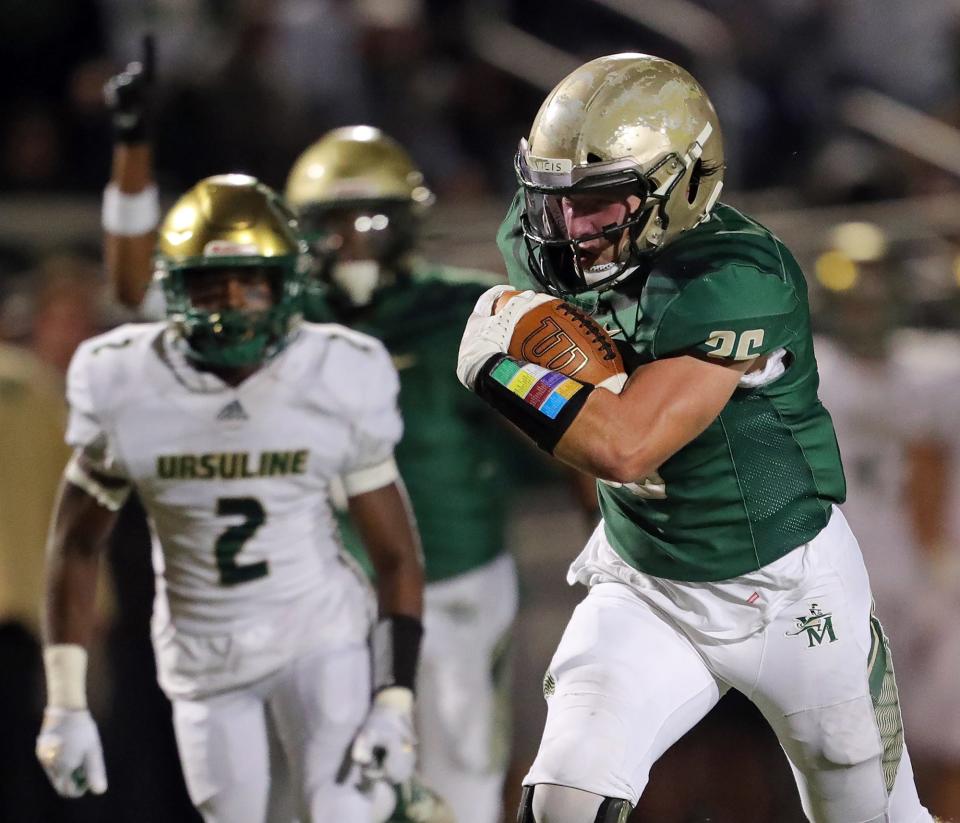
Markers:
{"x": 761, "y": 480}
{"x": 458, "y": 484}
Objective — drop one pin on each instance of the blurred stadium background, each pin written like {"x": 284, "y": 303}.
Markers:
{"x": 834, "y": 111}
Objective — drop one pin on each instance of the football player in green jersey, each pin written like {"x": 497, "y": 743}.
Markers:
{"x": 722, "y": 560}
{"x": 361, "y": 201}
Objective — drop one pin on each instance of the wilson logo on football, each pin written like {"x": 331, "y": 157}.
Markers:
{"x": 564, "y": 339}
{"x": 552, "y": 347}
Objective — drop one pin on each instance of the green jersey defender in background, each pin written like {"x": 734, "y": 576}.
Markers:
{"x": 722, "y": 560}
{"x": 459, "y": 486}
{"x": 725, "y": 287}
{"x": 361, "y": 201}
{"x": 362, "y": 217}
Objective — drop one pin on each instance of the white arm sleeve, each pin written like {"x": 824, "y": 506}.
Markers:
{"x": 377, "y": 427}
{"x": 85, "y": 429}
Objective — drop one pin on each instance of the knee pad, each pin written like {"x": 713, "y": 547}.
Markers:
{"x": 842, "y": 735}
{"x": 563, "y": 804}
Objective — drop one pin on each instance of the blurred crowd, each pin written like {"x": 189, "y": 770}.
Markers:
{"x": 273, "y": 75}
{"x": 245, "y": 85}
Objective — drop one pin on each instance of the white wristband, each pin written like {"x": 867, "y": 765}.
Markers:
{"x": 66, "y": 668}
{"x": 130, "y": 215}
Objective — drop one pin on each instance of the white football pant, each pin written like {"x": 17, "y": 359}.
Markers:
{"x": 642, "y": 660}
{"x": 463, "y": 689}
{"x": 270, "y": 752}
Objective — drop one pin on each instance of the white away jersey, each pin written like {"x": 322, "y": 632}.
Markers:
{"x": 235, "y": 482}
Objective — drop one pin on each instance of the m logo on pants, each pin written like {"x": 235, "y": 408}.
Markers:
{"x": 817, "y": 625}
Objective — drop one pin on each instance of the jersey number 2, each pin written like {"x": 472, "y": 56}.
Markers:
{"x": 231, "y": 541}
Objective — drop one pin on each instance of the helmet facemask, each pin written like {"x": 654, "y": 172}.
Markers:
{"x": 359, "y": 249}
{"x": 619, "y": 120}
{"x": 223, "y": 330}
{"x": 361, "y": 198}
{"x": 561, "y": 260}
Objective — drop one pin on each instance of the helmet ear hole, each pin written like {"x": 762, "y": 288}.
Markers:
{"x": 695, "y": 177}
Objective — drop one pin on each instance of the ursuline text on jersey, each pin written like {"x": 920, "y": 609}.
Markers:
{"x": 231, "y": 465}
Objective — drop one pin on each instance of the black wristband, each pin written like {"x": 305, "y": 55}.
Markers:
{"x": 396, "y": 650}
{"x": 540, "y": 402}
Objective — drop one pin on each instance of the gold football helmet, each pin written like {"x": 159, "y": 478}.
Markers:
{"x": 229, "y": 222}
{"x": 355, "y": 164}
{"x": 360, "y": 198}
{"x": 627, "y": 128}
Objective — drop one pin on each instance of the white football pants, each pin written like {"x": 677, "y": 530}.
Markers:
{"x": 642, "y": 660}
{"x": 270, "y": 752}
{"x": 463, "y": 688}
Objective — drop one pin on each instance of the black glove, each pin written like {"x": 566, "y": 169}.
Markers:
{"x": 127, "y": 96}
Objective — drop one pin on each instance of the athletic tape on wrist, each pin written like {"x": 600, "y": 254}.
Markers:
{"x": 130, "y": 215}
{"x": 540, "y": 402}
{"x": 396, "y": 650}
{"x": 65, "y": 665}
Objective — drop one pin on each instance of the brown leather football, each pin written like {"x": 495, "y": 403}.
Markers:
{"x": 560, "y": 337}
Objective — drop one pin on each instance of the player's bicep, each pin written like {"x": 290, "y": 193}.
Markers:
{"x": 677, "y": 398}
{"x": 664, "y": 405}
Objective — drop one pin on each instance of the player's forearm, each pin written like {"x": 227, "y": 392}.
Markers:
{"x": 664, "y": 406}
{"x": 602, "y": 443}
{"x": 71, "y": 593}
{"x": 384, "y": 520}
{"x": 400, "y": 585}
{"x": 129, "y": 227}
{"x": 385, "y": 523}
{"x": 129, "y": 265}
{"x": 132, "y": 167}
{"x": 76, "y": 541}
{"x": 397, "y": 635}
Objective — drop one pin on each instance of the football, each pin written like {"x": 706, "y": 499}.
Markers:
{"x": 560, "y": 337}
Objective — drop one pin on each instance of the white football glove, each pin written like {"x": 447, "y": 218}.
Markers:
{"x": 69, "y": 750}
{"x": 386, "y": 744}
{"x": 487, "y": 334}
